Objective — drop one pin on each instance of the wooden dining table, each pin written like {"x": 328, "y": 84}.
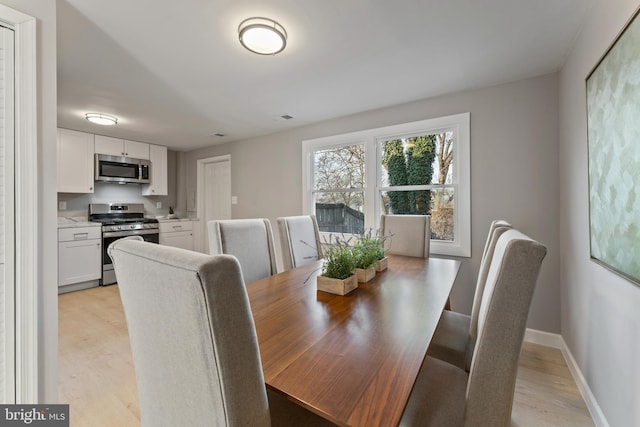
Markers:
{"x": 351, "y": 359}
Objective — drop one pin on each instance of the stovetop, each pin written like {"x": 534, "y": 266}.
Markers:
{"x": 121, "y": 216}
{"x": 121, "y": 221}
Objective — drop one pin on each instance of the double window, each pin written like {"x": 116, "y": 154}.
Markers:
{"x": 419, "y": 168}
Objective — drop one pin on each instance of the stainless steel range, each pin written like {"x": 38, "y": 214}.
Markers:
{"x": 121, "y": 220}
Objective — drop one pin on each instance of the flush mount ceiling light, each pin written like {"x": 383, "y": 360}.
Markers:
{"x": 263, "y": 36}
{"x": 101, "y": 119}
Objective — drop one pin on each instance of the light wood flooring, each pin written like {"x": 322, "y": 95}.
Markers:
{"x": 97, "y": 377}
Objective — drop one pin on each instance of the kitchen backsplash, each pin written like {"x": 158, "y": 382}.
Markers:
{"x": 78, "y": 204}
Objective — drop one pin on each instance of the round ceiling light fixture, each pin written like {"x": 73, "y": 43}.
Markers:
{"x": 263, "y": 36}
{"x": 101, "y": 119}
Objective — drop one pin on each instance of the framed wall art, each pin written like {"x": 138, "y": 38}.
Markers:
{"x": 613, "y": 131}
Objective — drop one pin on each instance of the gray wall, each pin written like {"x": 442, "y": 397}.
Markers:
{"x": 514, "y": 172}
{"x": 600, "y": 310}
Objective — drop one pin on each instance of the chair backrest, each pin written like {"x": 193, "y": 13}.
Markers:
{"x": 502, "y": 321}
{"x": 410, "y": 234}
{"x": 193, "y": 339}
{"x": 495, "y": 231}
{"x": 299, "y": 240}
{"x": 249, "y": 240}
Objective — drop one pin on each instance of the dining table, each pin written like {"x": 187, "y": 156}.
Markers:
{"x": 352, "y": 359}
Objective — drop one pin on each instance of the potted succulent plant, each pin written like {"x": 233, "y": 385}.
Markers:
{"x": 337, "y": 269}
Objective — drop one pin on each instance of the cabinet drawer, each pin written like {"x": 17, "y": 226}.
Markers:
{"x": 170, "y": 227}
{"x": 79, "y": 233}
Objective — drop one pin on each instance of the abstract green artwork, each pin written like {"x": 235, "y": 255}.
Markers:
{"x": 613, "y": 128}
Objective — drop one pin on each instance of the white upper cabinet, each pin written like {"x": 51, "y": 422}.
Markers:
{"x": 158, "y": 185}
{"x": 137, "y": 150}
{"x": 121, "y": 147}
{"x": 75, "y": 161}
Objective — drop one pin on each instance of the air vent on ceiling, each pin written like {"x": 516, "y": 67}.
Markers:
{"x": 283, "y": 118}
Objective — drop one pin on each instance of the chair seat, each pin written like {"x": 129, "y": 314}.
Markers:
{"x": 438, "y": 396}
{"x": 450, "y": 340}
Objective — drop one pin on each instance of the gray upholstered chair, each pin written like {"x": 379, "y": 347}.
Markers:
{"x": 456, "y": 334}
{"x": 249, "y": 240}
{"x": 193, "y": 340}
{"x": 410, "y": 234}
{"x": 445, "y": 395}
{"x": 299, "y": 240}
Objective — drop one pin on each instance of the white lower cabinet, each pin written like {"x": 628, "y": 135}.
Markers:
{"x": 79, "y": 255}
{"x": 177, "y": 233}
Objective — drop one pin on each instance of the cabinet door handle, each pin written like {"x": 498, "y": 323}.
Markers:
{"x": 80, "y": 236}
{"x": 177, "y": 227}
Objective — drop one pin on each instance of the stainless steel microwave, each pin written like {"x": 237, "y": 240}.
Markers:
{"x": 122, "y": 170}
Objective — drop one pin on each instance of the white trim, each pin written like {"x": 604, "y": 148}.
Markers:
{"x": 543, "y": 338}
{"x": 200, "y": 195}
{"x": 557, "y": 341}
{"x": 459, "y": 123}
{"x": 26, "y": 204}
{"x": 589, "y": 399}
{"x": 9, "y": 374}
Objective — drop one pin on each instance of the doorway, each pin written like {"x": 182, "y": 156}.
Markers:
{"x": 214, "y": 193}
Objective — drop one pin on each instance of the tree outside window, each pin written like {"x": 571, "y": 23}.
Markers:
{"x": 414, "y": 176}
{"x": 339, "y": 189}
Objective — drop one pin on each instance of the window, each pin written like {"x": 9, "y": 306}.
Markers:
{"x": 416, "y": 179}
{"x": 414, "y": 168}
{"x": 338, "y": 188}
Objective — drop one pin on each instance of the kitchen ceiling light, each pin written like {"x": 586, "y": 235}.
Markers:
{"x": 263, "y": 36}
{"x": 101, "y": 119}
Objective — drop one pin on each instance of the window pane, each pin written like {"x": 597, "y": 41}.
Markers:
{"x": 406, "y": 202}
{"x": 339, "y": 168}
{"x": 340, "y": 212}
{"x": 439, "y": 203}
{"x": 442, "y": 171}
{"x": 418, "y": 160}
{"x": 442, "y": 214}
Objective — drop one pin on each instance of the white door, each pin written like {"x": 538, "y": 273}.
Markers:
{"x": 214, "y": 189}
{"x": 7, "y": 246}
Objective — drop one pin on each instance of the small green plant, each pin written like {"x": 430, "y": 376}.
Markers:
{"x": 375, "y": 242}
{"x": 366, "y": 254}
{"x": 339, "y": 260}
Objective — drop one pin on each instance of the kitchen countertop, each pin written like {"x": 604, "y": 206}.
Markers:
{"x": 176, "y": 219}
{"x": 76, "y": 222}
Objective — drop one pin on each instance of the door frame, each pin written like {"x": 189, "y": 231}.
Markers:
{"x": 200, "y": 187}
{"x": 26, "y": 210}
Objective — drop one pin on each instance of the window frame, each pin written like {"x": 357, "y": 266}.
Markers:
{"x": 371, "y": 138}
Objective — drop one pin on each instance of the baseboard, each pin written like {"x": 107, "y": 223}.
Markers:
{"x": 556, "y": 341}
{"x": 543, "y": 338}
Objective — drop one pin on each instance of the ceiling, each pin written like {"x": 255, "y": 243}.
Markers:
{"x": 174, "y": 73}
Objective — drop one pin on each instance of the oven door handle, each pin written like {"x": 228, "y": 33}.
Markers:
{"x": 126, "y": 233}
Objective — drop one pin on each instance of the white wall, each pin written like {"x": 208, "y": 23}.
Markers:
{"x": 600, "y": 310}
{"x": 514, "y": 172}
{"x": 45, "y": 12}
